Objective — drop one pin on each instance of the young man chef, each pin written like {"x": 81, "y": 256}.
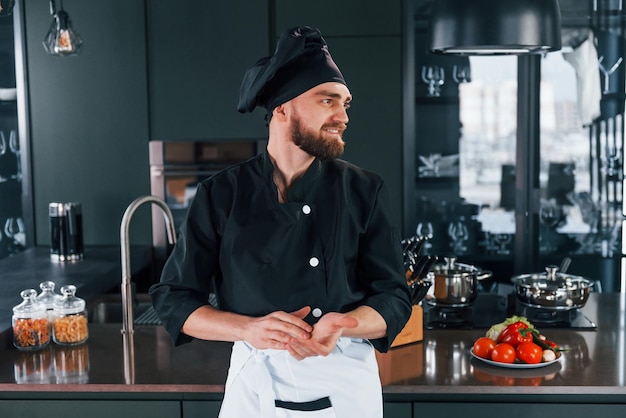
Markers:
{"x": 300, "y": 250}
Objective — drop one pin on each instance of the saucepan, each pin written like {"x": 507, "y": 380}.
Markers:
{"x": 456, "y": 283}
{"x": 552, "y": 289}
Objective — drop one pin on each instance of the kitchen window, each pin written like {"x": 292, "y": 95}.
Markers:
{"x": 464, "y": 142}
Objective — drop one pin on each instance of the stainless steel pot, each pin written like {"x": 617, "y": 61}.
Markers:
{"x": 455, "y": 283}
{"x": 552, "y": 290}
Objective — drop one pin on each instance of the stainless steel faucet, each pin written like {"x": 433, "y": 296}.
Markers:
{"x": 128, "y": 325}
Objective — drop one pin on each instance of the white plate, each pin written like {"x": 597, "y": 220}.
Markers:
{"x": 513, "y": 365}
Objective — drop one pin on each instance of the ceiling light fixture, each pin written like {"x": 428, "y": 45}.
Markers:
{"x": 61, "y": 38}
{"x": 6, "y": 7}
{"x": 494, "y": 27}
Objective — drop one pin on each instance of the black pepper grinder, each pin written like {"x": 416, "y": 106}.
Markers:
{"x": 74, "y": 227}
{"x": 58, "y": 231}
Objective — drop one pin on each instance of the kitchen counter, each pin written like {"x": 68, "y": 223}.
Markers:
{"x": 439, "y": 368}
{"x": 99, "y": 272}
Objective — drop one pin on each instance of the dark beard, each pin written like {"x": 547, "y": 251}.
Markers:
{"x": 315, "y": 145}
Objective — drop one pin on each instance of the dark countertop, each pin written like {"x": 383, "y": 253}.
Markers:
{"x": 99, "y": 272}
{"x": 437, "y": 368}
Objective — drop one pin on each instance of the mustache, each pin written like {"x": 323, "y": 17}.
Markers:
{"x": 342, "y": 126}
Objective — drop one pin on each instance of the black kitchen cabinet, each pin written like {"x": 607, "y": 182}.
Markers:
{"x": 88, "y": 117}
{"x": 515, "y": 410}
{"x": 148, "y": 71}
{"x": 197, "y": 54}
{"x": 91, "y": 408}
{"x": 397, "y": 410}
{"x": 374, "y": 135}
{"x": 207, "y": 409}
{"x": 201, "y": 409}
{"x": 12, "y": 225}
{"x": 356, "y": 18}
{"x": 53, "y": 408}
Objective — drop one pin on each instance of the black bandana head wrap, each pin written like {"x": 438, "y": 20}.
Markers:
{"x": 300, "y": 62}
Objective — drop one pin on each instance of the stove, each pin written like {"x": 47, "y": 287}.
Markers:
{"x": 491, "y": 308}
{"x": 487, "y": 309}
{"x": 438, "y": 316}
{"x": 542, "y": 317}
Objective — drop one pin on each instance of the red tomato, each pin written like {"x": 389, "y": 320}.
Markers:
{"x": 483, "y": 347}
{"x": 529, "y": 353}
{"x": 503, "y": 353}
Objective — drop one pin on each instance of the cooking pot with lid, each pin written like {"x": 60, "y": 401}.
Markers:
{"x": 455, "y": 283}
{"x": 552, "y": 289}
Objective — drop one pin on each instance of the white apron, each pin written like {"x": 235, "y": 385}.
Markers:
{"x": 271, "y": 383}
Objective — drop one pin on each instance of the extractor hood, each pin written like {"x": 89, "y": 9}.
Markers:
{"x": 494, "y": 27}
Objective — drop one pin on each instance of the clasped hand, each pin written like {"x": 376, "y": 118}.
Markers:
{"x": 288, "y": 331}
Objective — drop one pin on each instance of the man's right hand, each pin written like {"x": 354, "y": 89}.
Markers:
{"x": 276, "y": 329}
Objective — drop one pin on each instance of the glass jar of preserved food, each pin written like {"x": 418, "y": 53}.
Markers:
{"x": 31, "y": 328}
{"x": 47, "y": 297}
{"x": 69, "y": 324}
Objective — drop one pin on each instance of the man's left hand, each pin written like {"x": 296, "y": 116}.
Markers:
{"x": 324, "y": 336}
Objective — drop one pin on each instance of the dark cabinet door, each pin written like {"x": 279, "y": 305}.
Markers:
{"x": 88, "y": 117}
{"x": 197, "y": 55}
{"x": 341, "y": 18}
{"x": 374, "y": 135}
{"x": 397, "y": 410}
{"x": 12, "y": 237}
{"x": 201, "y": 409}
{"x": 90, "y": 408}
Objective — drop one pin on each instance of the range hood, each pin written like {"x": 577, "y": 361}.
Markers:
{"x": 494, "y": 27}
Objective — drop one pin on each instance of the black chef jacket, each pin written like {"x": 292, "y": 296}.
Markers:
{"x": 332, "y": 247}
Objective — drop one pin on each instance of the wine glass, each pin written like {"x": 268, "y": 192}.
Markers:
{"x": 14, "y": 231}
{"x": 3, "y": 149}
{"x": 3, "y": 143}
{"x": 459, "y": 234}
{"x": 14, "y": 146}
{"x": 607, "y": 72}
{"x": 502, "y": 240}
{"x": 550, "y": 214}
{"x": 434, "y": 76}
{"x": 612, "y": 162}
{"x": 461, "y": 74}
{"x": 425, "y": 232}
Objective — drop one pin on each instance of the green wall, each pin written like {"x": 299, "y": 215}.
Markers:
{"x": 91, "y": 116}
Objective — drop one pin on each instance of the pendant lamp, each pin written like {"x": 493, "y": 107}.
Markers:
{"x": 494, "y": 27}
{"x": 6, "y": 7}
{"x": 61, "y": 38}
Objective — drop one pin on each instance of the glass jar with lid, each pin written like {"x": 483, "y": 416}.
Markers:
{"x": 31, "y": 328}
{"x": 47, "y": 297}
{"x": 69, "y": 324}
